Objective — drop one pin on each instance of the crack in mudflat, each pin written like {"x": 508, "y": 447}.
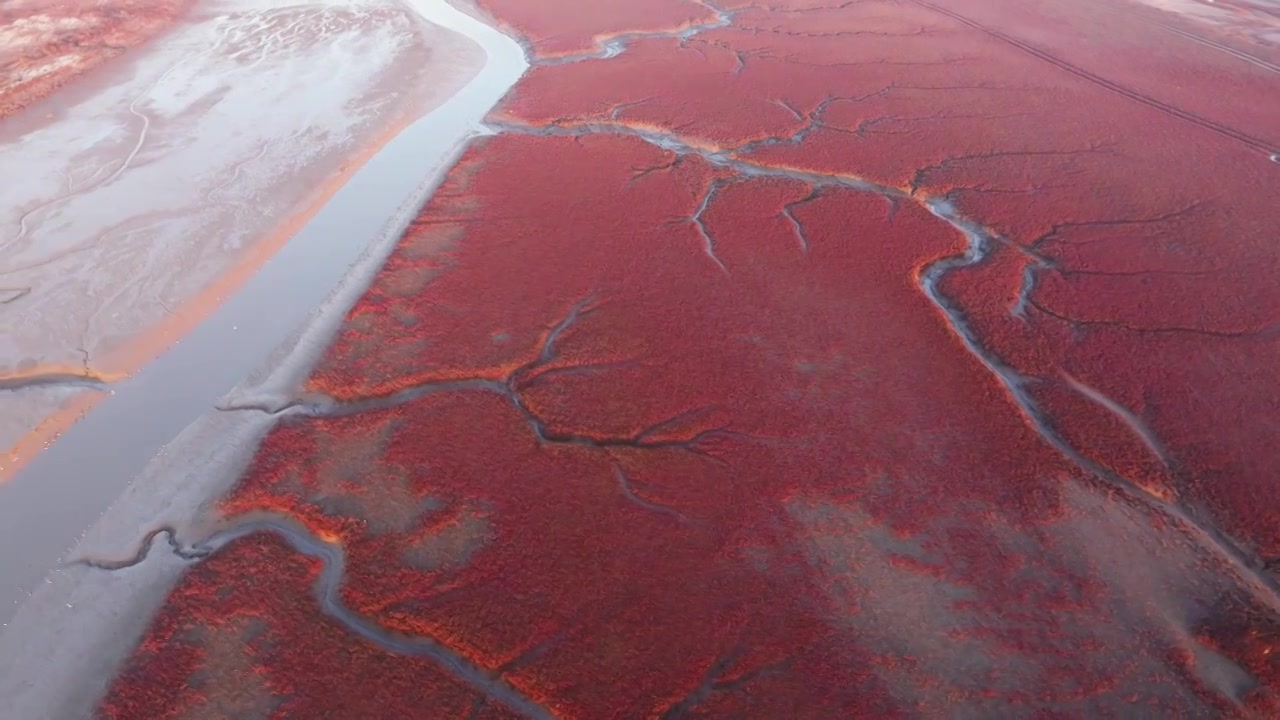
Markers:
{"x": 541, "y": 373}
{"x": 643, "y": 172}
{"x": 778, "y": 30}
{"x": 1055, "y": 230}
{"x": 10, "y": 295}
{"x": 793, "y": 59}
{"x": 328, "y": 587}
{"x": 865, "y": 127}
{"x": 813, "y": 121}
{"x": 1040, "y": 261}
{"x": 708, "y": 243}
{"x": 713, "y": 682}
{"x": 788, "y": 211}
{"x": 624, "y": 484}
{"x": 986, "y": 189}
{"x": 919, "y": 177}
{"x": 1071, "y": 272}
{"x": 120, "y": 231}
{"x": 477, "y": 707}
{"x": 616, "y": 110}
{"x": 704, "y": 689}
{"x": 727, "y": 159}
{"x": 580, "y": 624}
{"x": 548, "y": 351}
{"x": 1019, "y": 307}
{"x": 812, "y": 8}
{"x": 789, "y": 108}
{"x": 1136, "y": 425}
{"x": 235, "y": 172}
{"x": 1158, "y": 329}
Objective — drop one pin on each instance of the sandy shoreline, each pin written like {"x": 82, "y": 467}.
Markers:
{"x": 79, "y": 648}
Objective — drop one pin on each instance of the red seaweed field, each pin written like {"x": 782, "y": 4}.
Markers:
{"x": 788, "y": 359}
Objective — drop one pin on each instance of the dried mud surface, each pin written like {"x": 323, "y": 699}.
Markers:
{"x": 793, "y": 359}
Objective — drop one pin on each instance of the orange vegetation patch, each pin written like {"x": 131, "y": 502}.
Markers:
{"x": 44, "y": 45}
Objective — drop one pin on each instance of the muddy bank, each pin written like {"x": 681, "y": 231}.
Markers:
{"x": 156, "y": 187}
